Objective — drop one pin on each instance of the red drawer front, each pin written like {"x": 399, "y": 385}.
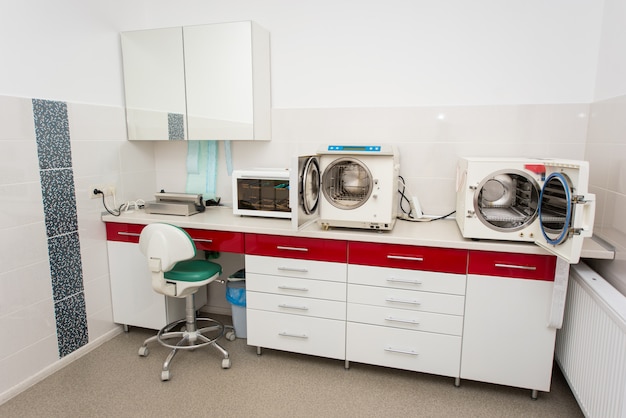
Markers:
{"x": 204, "y": 239}
{"x": 446, "y": 260}
{"x": 522, "y": 266}
{"x": 231, "y": 242}
{"x": 294, "y": 247}
{"x": 123, "y": 232}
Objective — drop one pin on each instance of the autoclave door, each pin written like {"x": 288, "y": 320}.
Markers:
{"x": 566, "y": 210}
{"x": 304, "y": 191}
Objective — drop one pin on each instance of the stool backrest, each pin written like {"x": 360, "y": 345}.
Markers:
{"x": 164, "y": 245}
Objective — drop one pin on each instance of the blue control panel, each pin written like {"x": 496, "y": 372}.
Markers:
{"x": 359, "y": 148}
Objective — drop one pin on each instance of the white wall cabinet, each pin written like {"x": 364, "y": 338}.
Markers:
{"x": 198, "y": 82}
{"x": 506, "y": 337}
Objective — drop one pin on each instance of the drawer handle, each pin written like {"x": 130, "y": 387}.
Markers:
{"x": 300, "y": 289}
{"x": 298, "y": 269}
{"x": 513, "y": 266}
{"x": 404, "y": 257}
{"x": 401, "y": 351}
{"x": 280, "y": 247}
{"x": 300, "y": 308}
{"x": 289, "y": 334}
{"x": 403, "y": 320}
{"x": 410, "y": 301}
{"x": 410, "y": 281}
{"x": 208, "y": 241}
{"x": 129, "y": 234}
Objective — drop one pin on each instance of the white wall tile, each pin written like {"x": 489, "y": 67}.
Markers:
{"x": 36, "y": 322}
{"x": 18, "y": 161}
{"x": 25, "y": 286}
{"x": 20, "y": 204}
{"x": 22, "y": 246}
{"x": 16, "y": 119}
{"x": 96, "y": 123}
{"x": 27, "y": 362}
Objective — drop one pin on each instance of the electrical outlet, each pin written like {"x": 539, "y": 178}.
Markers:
{"x": 107, "y": 189}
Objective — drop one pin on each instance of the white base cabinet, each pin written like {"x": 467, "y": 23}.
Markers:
{"x": 295, "y": 302}
{"x": 134, "y": 301}
{"x": 506, "y": 337}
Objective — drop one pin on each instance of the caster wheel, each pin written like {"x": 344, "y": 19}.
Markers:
{"x": 230, "y": 336}
{"x": 143, "y": 351}
{"x": 226, "y": 363}
{"x": 165, "y": 375}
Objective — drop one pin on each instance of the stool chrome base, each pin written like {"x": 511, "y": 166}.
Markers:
{"x": 190, "y": 337}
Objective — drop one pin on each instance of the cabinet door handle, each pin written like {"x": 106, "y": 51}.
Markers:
{"x": 300, "y": 308}
{"x": 208, "y": 241}
{"x": 409, "y": 281}
{"x": 289, "y": 334}
{"x": 404, "y": 257}
{"x": 403, "y": 320}
{"x": 280, "y": 247}
{"x": 401, "y": 351}
{"x": 513, "y": 266}
{"x": 411, "y": 301}
{"x": 298, "y": 269}
{"x": 129, "y": 234}
{"x": 300, "y": 289}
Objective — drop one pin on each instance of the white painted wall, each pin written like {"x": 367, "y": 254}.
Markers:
{"x": 327, "y": 53}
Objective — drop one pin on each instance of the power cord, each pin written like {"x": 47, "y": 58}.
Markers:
{"x": 126, "y": 206}
{"x": 409, "y": 215}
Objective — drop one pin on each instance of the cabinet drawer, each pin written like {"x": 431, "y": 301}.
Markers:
{"x": 319, "y": 308}
{"x": 407, "y": 319}
{"x": 296, "y": 247}
{"x": 290, "y": 286}
{"x": 122, "y": 232}
{"x": 406, "y": 299}
{"x": 403, "y": 349}
{"x": 231, "y": 242}
{"x": 407, "y": 279}
{"x": 290, "y": 267}
{"x": 298, "y": 334}
{"x": 522, "y": 266}
{"x": 204, "y": 239}
{"x": 447, "y": 260}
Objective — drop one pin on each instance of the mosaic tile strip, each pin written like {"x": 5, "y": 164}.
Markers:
{"x": 59, "y": 201}
{"x": 66, "y": 267}
{"x": 71, "y": 321}
{"x": 175, "y": 126}
{"x": 52, "y": 131}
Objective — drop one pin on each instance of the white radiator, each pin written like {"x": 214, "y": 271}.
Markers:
{"x": 591, "y": 346}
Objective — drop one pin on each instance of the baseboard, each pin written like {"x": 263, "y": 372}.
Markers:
{"x": 58, "y": 365}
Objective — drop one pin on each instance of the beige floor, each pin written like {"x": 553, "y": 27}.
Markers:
{"x": 113, "y": 381}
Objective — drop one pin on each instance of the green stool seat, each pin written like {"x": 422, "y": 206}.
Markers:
{"x": 193, "y": 271}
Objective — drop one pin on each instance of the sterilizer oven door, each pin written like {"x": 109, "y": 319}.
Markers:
{"x": 304, "y": 191}
{"x": 566, "y": 211}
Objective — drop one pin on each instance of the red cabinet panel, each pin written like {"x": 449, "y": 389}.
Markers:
{"x": 204, "y": 239}
{"x": 231, "y": 242}
{"x": 295, "y": 247}
{"x": 522, "y": 266}
{"x": 123, "y": 232}
{"x": 446, "y": 260}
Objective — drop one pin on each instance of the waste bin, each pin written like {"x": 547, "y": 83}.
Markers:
{"x": 236, "y": 295}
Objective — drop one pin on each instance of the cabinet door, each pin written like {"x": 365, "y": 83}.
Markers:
{"x": 506, "y": 338}
{"x": 133, "y": 300}
{"x": 154, "y": 84}
{"x": 227, "y": 77}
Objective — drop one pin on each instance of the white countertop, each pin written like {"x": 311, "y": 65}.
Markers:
{"x": 442, "y": 233}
